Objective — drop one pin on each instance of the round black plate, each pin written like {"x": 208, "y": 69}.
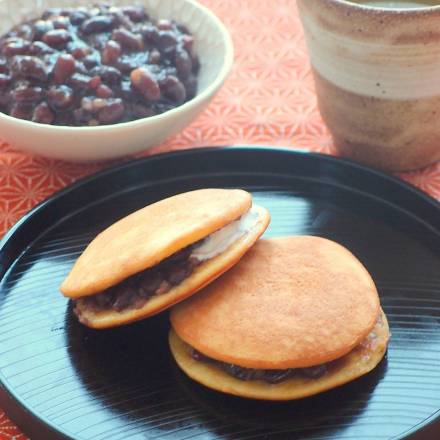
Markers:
{"x": 61, "y": 379}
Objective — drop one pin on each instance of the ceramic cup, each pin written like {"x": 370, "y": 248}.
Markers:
{"x": 377, "y": 76}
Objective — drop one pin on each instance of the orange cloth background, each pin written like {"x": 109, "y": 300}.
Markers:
{"x": 268, "y": 99}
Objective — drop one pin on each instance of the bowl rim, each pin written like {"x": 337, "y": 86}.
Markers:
{"x": 197, "y": 99}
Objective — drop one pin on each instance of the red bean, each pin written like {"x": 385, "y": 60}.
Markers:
{"x": 95, "y": 82}
{"x": 57, "y": 37}
{"x": 183, "y": 63}
{"x": 150, "y": 34}
{"x": 61, "y": 22}
{"x": 128, "y": 39}
{"x": 43, "y": 114}
{"x": 60, "y": 97}
{"x": 143, "y": 80}
{"x": 77, "y": 17}
{"x": 104, "y": 92}
{"x": 173, "y": 89}
{"x": 167, "y": 41}
{"x": 40, "y": 48}
{"x": 135, "y": 13}
{"x": 3, "y": 65}
{"x": 80, "y": 51}
{"x": 29, "y": 67}
{"x": 99, "y": 23}
{"x": 21, "y": 110}
{"x": 63, "y": 68}
{"x": 91, "y": 60}
{"x": 109, "y": 75}
{"x": 142, "y": 111}
{"x": 27, "y": 94}
{"x": 79, "y": 81}
{"x": 111, "y": 52}
{"x": 164, "y": 25}
{"x": 16, "y": 46}
{"x": 5, "y": 80}
{"x": 41, "y": 27}
{"x": 154, "y": 57}
{"x": 112, "y": 112}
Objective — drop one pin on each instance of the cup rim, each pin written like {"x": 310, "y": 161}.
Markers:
{"x": 381, "y": 9}
{"x": 196, "y": 100}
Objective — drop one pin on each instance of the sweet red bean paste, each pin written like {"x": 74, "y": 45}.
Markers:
{"x": 95, "y": 66}
{"x": 270, "y": 376}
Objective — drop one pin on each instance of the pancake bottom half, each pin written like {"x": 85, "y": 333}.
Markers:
{"x": 358, "y": 362}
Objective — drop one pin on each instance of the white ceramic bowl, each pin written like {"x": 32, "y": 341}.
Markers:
{"x": 213, "y": 46}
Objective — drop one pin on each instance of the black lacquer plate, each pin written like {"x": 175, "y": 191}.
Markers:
{"x": 62, "y": 380}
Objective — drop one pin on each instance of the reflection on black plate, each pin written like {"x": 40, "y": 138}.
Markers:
{"x": 122, "y": 383}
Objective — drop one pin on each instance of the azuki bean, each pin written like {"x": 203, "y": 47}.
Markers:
{"x": 21, "y": 110}
{"x": 109, "y": 75}
{"x": 91, "y": 60}
{"x": 128, "y": 39}
{"x": 99, "y": 23}
{"x": 41, "y": 27}
{"x": 79, "y": 81}
{"x": 40, "y": 48}
{"x": 77, "y": 17}
{"x": 5, "y": 80}
{"x": 29, "y": 67}
{"x": 183, "y": 63}
{"x": 142, "y": 111}
{"x": 173, "y": 89}
{"x": 112, "y": 112}
{"x": 61, "y": 22}
{"x": 104, "y": 91}
{"x": 63, "y": 68}
{"x": 79, "y": 51}
{"x": 164, "y": 24}
{"x": 16, "y": 46}
{"x": 3, "y": 65}
{"x": 135, "y": 13}
{"x": 111, "y": 52}
{"x": 57, "y": 37}
{"x": 60, "y": 97}
{"x": 95, "y": 82}
{"x": 43, "y": 114}
{"x": 26, "y": 94}
{"x": 143, "y": 80}
{"x": 154, "y": 57}
{"x": 167, "y": 41}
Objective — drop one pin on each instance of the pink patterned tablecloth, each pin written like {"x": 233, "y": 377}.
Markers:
{"x": 268, "y": 99}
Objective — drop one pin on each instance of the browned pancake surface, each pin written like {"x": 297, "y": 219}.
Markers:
{"x": 149, "y": 235}
{"x": 361, "y": 360}
{"x": 290, "y": 302}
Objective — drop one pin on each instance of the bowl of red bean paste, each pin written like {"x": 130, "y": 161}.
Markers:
{"x": 105, "y": 68}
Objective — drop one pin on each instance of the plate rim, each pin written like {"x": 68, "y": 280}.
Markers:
{"x": 206, "y": 149}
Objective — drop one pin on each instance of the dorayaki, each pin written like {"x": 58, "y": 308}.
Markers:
{"x": 295, "y": 317}
{"x": 161, "y": 254}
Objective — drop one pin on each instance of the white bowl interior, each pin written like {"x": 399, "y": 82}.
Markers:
{"x": 209, "y": 39}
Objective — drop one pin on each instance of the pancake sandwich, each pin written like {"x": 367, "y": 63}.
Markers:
{"x": 295, "y": 317}
{"x": 161, "y": 254}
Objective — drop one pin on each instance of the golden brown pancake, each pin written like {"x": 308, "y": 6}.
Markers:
{"x": 148, "y": 237}
{"x": 361, "y": 360}
{"x": 290, "y": 303}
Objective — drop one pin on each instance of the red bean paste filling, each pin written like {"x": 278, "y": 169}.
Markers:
{"x": 135, "y": 291}
{"x": 270, "y": 376}
{"x": 95, "y": 66}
